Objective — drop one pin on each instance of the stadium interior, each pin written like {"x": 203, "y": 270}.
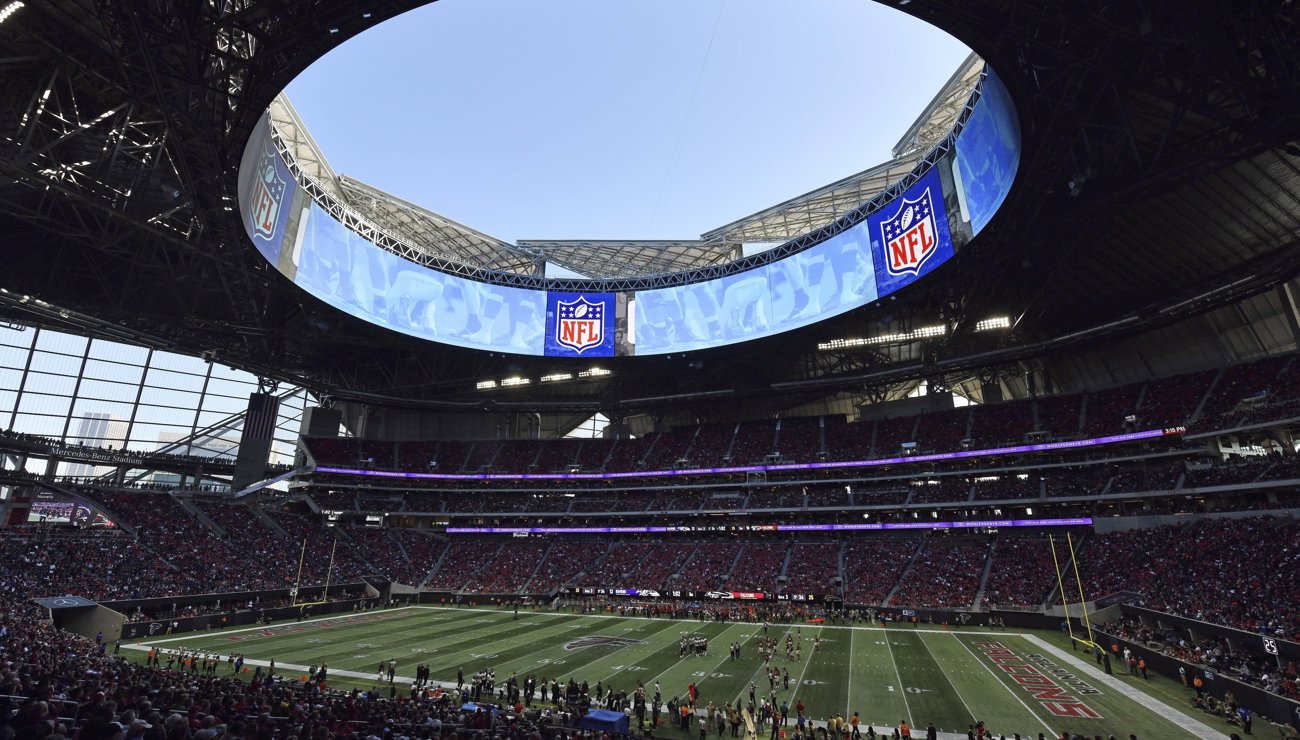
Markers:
{"x": 1094, "y": 407}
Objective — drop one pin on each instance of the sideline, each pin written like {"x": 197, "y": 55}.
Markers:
{"x": 379, "y": 616}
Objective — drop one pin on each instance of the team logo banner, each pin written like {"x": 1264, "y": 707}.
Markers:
{"x": 580, "y": 324}
{"x": 268, "y": 195}
{"x": 265, "y": 192}
{"x": 910, "y": 236}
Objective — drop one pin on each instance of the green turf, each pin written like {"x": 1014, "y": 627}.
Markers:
{"x": 925, "y": 675}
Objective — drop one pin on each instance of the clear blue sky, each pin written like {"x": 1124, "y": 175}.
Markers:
{"x": 605, "y": 119}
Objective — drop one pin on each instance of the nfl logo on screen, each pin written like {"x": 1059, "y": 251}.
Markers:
{"x": 909, "y": 236}
{"x": 267, "y": 195}
{"x": 581, "y": 324}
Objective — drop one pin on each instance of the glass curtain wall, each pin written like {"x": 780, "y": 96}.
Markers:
{"x": 109, "y": 394}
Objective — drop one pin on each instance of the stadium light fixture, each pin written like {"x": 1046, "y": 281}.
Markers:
{"x": 557, "y": 377}
{"x": 514, "y": 382}
{"x": 10, "y": 9}
{"x": 595, "y": 372}
{"x": 924, "y": 332}
{"x": 484, "y": 385}
{"x": 998, "y": 322}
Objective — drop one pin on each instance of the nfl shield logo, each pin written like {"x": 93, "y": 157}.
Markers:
{"x": 267, "y": 195}
{"x": 909, "y": 236}
{"x": 581, "y": 324}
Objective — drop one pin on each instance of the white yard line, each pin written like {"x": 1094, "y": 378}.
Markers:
{"x": 748, "y": 637}
{"x": 901, "y": 689}
{"x": 849, "y": 696}
{"x": 222, "y": 669}
{"x": 969, "y": 713}
{"x": 689, "y": 656}
{"x": 799, "y": 682}
{"x": 1148, "y": 702}
{"x": 759, "y": 624}
{"x": 1003, "y": 684}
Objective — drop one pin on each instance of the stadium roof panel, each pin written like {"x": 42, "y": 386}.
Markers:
{"x": 445, "y": 238}
{"x": 596, "y": 258}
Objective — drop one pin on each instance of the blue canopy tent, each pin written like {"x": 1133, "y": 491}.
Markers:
{"x": 604, "y": 720}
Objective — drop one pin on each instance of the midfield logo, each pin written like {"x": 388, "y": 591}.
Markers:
{"x": 601, "y": 641}
{"x": 268, "y": 194}
{"x": 909, "y": 236}
{"x": 581, "y": 324}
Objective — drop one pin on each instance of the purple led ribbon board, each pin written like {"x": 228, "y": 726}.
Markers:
{"x": 1043, "y": 447}
{"x": 1079, "y": 521}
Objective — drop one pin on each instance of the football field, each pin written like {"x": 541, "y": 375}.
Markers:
{"x": 1025, "y": 683}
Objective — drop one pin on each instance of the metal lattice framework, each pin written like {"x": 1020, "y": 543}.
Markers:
{"x": 826, "y": 204}
{"x": 419, "y": 234}
{"x": 614, "y": 259}
{"x": 1160, "y": 176}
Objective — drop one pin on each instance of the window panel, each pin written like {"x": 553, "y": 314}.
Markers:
{"x": 179, "y": 363}
{"x": 115, "y": 371}
{"x": 47, "y": 362}
{"x": 216, "y": 447}
{"x": 83, "y": 406}
{"x": 6, "y": 404}
{"x": 9, "y": 379}
{"x": 225, "y": 406}
{"x": 56, "y": 341}
{"x": 107, "y": 391}
{"x": 39, "y": 403}
{"x": 49, "y": 426}
{"x": 166, "y": 397}
{"x": 17, "y": 337}
{"x": 227, "y": 387}
{"x": 97, "y": 432}
{"x": 61, "y": 385}
{"x": 13, "y": 357}
{"x": 174, "y": 381}
{"x": 233, "y": 375}
{"x": 153, "y": 436}
{"x": 208, "y": 418}
{"x": 164, "y": 415}
{"x": 101, "y": 349}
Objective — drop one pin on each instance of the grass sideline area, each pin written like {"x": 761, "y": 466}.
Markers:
{"x": 951, "y": 677}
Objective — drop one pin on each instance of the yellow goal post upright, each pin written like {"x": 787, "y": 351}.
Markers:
{"x": 329, "y": 574}
{"x": 1089, "y": 640}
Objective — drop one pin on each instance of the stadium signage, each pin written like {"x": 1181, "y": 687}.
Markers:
{"x": 1082, "y": 521}
{"x": 93, "y": 455}
{"x": 581, "y": 324}
{"x": 938, "y": 456}
{"x": 713, "y": 595}
{"x": 268, "y": 194}
{"x": 1055, "y": 698}
{"x": 909, "y": 235}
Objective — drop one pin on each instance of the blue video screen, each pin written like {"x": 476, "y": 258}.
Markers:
{"x": 581, "y": 324}
{"x": 988, "y": 152}
{"x": 345, "y": 270}
{"x": 266, "y": 189}
{"x": 824, "y": 280}
{"x": 899, "y": 243}
{"x": 910, "y": 236}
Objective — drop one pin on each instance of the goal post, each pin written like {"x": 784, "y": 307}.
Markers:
{"x": 329, "y": 574}
{"x": 1086, "y": 640}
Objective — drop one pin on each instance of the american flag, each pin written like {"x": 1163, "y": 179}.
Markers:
{"x": 263, "y": 412}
